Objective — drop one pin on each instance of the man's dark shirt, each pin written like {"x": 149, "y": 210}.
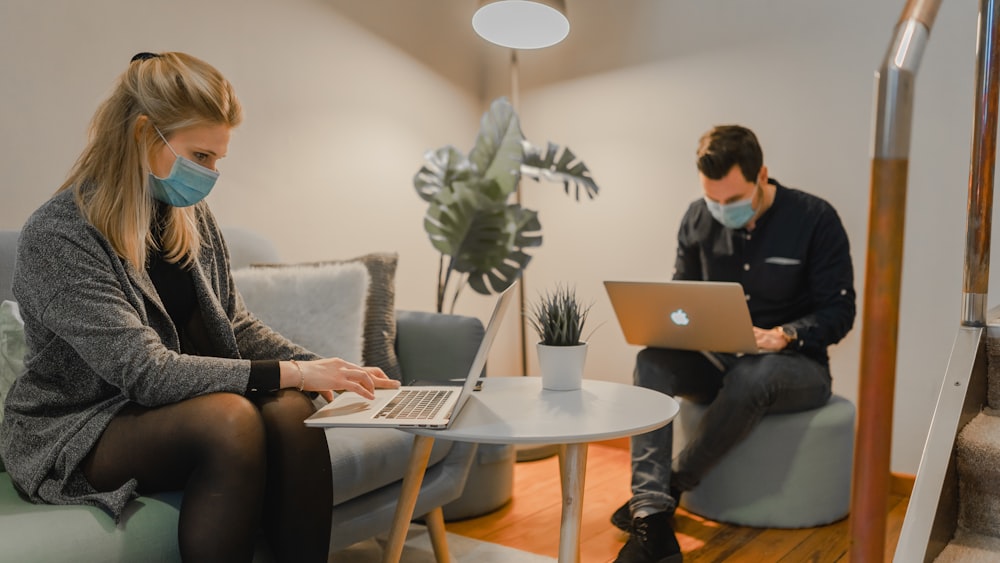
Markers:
{"x": 795, "y": 266}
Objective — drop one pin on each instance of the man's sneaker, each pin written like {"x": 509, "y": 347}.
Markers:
{"x": 675, "y": 493}
{"x": 651, "y": 540}
{"x": 622, "y": 518}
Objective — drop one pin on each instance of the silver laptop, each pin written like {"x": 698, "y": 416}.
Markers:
{"x": 686, "y": 315}
{"x": 415, "y": 406}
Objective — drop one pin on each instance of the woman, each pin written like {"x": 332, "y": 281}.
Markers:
{"x": 145, "y": 372}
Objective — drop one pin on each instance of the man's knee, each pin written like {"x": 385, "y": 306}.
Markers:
{"x": 646, "y": 367}
{"x": 656, "y": 368}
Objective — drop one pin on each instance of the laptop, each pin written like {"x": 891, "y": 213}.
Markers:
{"x": 422, "y": 406}
{"x": 687, "y": 315}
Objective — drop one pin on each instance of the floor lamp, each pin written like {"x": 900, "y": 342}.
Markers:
{"x": 520, "y": 25}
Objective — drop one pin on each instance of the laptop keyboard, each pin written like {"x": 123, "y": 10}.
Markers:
{"x": 411, "y": 404}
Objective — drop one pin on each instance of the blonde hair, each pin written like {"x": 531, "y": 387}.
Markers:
{"x": 110, "y": 178}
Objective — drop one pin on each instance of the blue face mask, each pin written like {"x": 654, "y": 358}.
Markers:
{"x": 734, "y": 215}
{"x": 187, "y": 184}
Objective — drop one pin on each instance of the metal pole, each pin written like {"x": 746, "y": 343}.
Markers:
{"x": 515, "y": 102}
{"x": 981, "y": 169}
{"x": 890, "y": 162}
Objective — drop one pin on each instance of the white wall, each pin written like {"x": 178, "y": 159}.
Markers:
{"x": 800, "y": 74}
{"x": 337, "y": 121}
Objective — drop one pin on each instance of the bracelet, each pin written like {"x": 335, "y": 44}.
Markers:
{"x": 302, "y": 376}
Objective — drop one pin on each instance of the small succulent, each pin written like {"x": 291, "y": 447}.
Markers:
{"x": 558, "y": 317}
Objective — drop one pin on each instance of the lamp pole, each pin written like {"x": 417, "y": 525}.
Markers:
{"x": 515, "y": 103}
{"x": 501, "y": 23}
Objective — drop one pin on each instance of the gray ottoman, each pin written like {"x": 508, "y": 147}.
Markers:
{"x": 489, "y": 486}
{"x": 793, "y": 470}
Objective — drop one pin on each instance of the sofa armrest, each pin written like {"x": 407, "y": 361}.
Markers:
{"x": 436, "y": 346}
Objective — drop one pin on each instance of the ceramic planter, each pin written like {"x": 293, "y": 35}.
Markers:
{"x": 562, "y": 366}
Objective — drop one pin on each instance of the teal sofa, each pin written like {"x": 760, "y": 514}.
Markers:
{"x": 368, "y": 468}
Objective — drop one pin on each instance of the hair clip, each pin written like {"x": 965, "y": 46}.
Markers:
{"x": 144, "y": 56}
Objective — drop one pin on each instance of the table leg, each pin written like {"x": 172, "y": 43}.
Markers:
{"x": 437, "y": 531}
{"x": 412, "y": 480}
{"x": 572, "y": 471}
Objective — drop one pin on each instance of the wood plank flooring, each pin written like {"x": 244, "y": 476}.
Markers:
{"x": 530, "y": 522}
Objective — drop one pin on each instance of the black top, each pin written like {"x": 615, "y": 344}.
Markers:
{"x": 176, "y": 290}
{"x": 794, "y": 266}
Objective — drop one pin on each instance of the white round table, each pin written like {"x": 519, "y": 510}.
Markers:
{"x": 516, "y": 410}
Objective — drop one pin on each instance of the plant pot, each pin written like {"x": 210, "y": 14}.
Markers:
{"x": 562, "y": 366}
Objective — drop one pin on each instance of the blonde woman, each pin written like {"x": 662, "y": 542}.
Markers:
{"x": 145, "y": 372}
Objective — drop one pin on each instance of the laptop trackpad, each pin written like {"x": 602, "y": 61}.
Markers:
{"x": 346, "y": 407}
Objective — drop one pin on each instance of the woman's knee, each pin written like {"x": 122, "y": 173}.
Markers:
{"x": 285, "y": 410}
{"x": 228, "y": 424}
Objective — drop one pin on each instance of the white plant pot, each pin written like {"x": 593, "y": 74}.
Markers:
{"x": 562, "y": 366}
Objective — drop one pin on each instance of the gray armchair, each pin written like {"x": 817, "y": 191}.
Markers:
{"x": 368, "y": 464}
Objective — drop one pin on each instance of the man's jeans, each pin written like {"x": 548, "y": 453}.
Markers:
{"x": 737, "y": 399}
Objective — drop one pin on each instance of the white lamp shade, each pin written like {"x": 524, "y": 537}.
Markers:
{"x": 521, "y": 24}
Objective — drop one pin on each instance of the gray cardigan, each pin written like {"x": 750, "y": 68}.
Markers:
{"x": 98, "y": 337}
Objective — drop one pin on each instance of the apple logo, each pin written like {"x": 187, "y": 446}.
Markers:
{"x": 679, "y": 317}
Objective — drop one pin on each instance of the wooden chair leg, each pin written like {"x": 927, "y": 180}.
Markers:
{"x": 436, "y": 530}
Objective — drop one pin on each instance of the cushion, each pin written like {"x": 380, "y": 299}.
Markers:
{"x": 147, "y": 532}
{"x": 11, "y": 347}
{"x": 319, "y": 307}
{"x": 380, "y": 308}
{"x": 365, "y": 459}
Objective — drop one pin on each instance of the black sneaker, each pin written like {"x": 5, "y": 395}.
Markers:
{"x": 675, "y": 493}
{"x": 651, "y": 540}
{"x": 622, "y": 518}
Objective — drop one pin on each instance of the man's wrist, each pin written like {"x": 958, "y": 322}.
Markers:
{"x": 789, "y": 333}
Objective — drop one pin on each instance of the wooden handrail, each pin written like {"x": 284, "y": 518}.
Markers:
{"x": 880, "y": 319}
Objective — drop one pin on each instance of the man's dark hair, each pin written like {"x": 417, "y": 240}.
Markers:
{"x": 728, "y": 145}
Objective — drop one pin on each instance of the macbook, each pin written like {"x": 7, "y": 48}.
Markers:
{"x": 686, "y": 315}
{"x": 421, "y": 406}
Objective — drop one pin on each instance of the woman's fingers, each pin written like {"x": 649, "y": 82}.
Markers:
{"x": 347, "y": 376}
{"x": 360, "y": 390}
{"x": 380, "y": 379}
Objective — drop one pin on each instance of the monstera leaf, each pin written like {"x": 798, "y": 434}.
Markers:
{"x": 566, "y": 169}
{"x": 481, "y": 236}
{"x": 443, "y": 167}
{"x": 499, "y": 147}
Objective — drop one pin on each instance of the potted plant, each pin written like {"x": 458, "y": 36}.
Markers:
{"x": 559, "y": 317}
{"x": 482, "y": 236}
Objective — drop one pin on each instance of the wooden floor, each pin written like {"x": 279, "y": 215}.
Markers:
{"x": 530, "y": 522}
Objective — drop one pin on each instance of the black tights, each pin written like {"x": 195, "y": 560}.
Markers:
{"x": 237, "y": 460}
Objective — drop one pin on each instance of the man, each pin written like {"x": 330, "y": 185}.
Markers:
{"x": 789, "y": 251}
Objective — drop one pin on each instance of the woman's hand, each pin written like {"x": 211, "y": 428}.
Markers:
{"x": 335, "y": 374}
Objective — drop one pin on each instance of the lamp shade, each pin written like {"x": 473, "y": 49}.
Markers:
{"x": 522, "y": 24}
